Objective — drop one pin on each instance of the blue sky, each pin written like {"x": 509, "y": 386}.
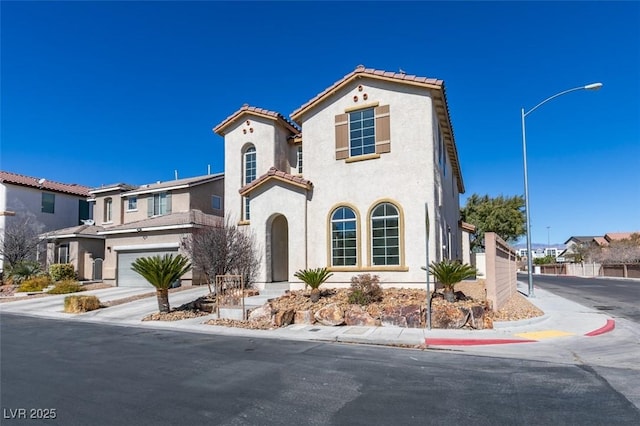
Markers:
{"x": 103, "y": 92}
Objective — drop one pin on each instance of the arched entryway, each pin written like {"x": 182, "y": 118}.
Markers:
{"x": 279, "y": 245}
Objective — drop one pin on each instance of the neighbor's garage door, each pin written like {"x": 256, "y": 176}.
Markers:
{"x": 126, "y": 276}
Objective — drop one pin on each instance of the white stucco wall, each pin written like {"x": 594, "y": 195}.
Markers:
{"x": 405, "y": 176}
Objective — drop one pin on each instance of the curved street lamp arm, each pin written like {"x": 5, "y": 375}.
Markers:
{"x": 552, "y": 97}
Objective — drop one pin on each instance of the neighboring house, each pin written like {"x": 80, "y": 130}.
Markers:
{"x": 139, "y": 221}
{"x": 601, "y": 241}
{"x": 47, "y": 205}
{"x": 346, "y": 182}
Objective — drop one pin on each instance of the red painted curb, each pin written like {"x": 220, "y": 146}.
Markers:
{"x": 473, "y": 342}
{"x": 610, "y": 325}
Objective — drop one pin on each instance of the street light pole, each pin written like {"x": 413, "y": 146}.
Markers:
{"x": 592, "y": 86}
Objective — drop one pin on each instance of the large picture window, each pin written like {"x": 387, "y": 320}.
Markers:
{"x": 362, "y": 132}
{"x": 344, "y": 250}
{"x": 385, "y": 235}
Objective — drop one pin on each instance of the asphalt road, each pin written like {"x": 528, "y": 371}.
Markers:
{"x": 94, "y": 374}
{"x": 618, "y": 298}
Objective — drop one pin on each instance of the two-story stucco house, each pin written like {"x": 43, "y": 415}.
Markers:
{"x": 135, "y": 221}
{"x": 45, "y": 204}
{"x": 346, "y": 182}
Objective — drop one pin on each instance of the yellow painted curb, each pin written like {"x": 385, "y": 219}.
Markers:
{"x": 545, "y": 334}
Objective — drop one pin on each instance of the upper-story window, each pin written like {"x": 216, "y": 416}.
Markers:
{"x": 299, "y": 159}
{"x": 108, "y": 210}
{"x": 216, "y": 202}
{"x": 363, "y": 133}
{"x": 250, "y": 165}
{"x": 385, "y": 235}
{"x": 48, "y": 202}
{"x": 132, "y": 203}
{"x": 159, "y": 204}
{"x": 250, "y": 173}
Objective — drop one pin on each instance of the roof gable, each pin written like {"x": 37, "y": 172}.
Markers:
{"x": 247, "y": 110}
{"x": 439, "y": 97}
{"x": 278, "y": 175}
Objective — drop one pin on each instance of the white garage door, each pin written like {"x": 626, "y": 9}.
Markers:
{"x": 126, "y": 276}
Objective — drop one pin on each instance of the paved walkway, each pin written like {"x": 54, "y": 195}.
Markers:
{"x": 563, "y": 319}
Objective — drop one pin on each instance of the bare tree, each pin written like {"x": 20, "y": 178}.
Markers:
{"x": 19, "y": 241}
{"x": 225, "y": 249}
{"x": 619, "y": 251}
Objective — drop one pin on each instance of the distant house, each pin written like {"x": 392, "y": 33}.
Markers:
{"x": 346, "y": 182}
{"x": 138, "y": 221}
{"x": 596, "y": 240}
{"x": 45, "y": 204}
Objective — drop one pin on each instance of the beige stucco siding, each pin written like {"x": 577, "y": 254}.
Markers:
{"x": 201, "y": 197}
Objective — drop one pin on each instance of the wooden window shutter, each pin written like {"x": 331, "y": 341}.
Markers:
{"x": 168, "y": 203}
{"x": 150, "y": 205}
{"x": 383, "y": 129}
{"x": 342, "y": 136}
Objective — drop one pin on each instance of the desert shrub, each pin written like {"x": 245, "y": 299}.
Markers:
{"x": 35, "y": 284}
{"x": 365, "y": 289}
{"x": 77, "y": 304}
{"x": 23, "y": 271}
{"x": 62, "y": 271}
{"x": 65, "y": 287}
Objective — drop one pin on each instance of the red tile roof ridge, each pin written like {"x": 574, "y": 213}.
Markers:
{"x": 257, "y": 110}
{"x": 43, "y": 183}
{"x": 279, "y": 173}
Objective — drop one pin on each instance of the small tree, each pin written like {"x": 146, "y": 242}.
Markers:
{"x": 162, "y": 272}
{"x": 224, "y": 249}
{"x": 19, "y": 241}
{"x": 449, "y": 273}
{"x": 314, "y": 279}
{"x": 503, "y": 215}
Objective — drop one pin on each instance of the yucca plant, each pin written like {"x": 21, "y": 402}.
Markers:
{"x": 449, "y": 273}
{"x": 161, "y": 272}
{"x": 314, "y": 279}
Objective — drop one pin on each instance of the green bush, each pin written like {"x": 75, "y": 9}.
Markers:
{"x": 65, "y": 287}
{"x": 35, "y": 284}
{"x": 365, "y": 289}
{"x": 62, "y": 271}
{"x": 78, "y": 304}
{"x": 23, "y": 271}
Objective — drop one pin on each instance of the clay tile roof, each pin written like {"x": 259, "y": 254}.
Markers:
{"x": 274, "y": 173}
{"x": 601, "y": 241}
{"x": 246, "y": 109}
{"x": 613, "y": 236}
{"x": 44, "y": 184}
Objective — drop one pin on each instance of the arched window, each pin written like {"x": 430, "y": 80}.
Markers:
{"x": 108, "y": 210}
{"x": 344, "y": 251}
{"x": 385, "y": 235}
{"x": 249, "y": 168}
{"x": 249, "y": 165}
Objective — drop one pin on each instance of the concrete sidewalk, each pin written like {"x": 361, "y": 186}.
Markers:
{"x": 563, "y": 319}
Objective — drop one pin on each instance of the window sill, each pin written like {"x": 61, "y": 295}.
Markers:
{"x": 133, "y": 210}
{"x": 395, "y": 268}
{"x": 362, "y": 158}
{"x": 244, "y": 223}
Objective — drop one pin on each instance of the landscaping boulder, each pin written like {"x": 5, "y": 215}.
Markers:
{"x": 283, "y": 318}
{"x": 402, "y": 316}
{"x": 303, "y": 317}
{"x": 261, "y": 313}
{"x": 330, "y": 315}
{"x": 355, "y": 315}
{"x": 449, "y": 315}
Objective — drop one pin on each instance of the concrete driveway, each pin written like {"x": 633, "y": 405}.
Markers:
{"x": 52, "y": 306}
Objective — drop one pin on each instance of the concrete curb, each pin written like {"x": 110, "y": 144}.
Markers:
{"x": 473, "y": 342}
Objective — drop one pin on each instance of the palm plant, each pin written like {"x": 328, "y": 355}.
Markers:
{"x": 162, "y": 272}
{"x": 449, "y": 273}
{"x": 314, "y": 279}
